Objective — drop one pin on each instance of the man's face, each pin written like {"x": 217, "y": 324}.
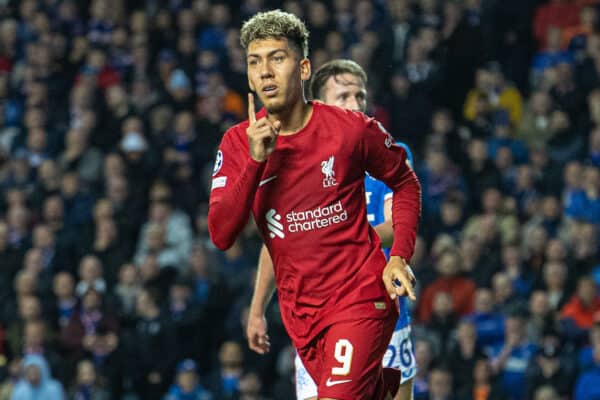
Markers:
{"x": 187, "y": 380}
{"x": 33, "y": 375}
{"x": 440, "y": 384}
{"x": 275, "y": 73}
{"x": 346, "y": 91}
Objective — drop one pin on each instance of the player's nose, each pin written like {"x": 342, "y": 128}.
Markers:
{"x": 265, "y": 71}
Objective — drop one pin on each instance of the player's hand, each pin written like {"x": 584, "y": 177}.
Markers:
{"x": 256, "y": 331}
{"x": 399, "y": 279}
{"x": 262, "y": 134}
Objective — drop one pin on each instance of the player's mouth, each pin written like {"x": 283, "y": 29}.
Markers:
{"x": 270, "y": 90}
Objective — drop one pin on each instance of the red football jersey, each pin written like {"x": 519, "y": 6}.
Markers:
{"x": 308, "y": 201}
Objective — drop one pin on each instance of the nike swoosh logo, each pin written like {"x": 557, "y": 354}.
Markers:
{"x": 265, "y": 181}
{"x": 330, "y": 383}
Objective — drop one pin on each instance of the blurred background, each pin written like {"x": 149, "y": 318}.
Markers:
{"x": 110, "y": 115}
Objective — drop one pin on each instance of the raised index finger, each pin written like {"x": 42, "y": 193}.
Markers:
{"x": 251, "y": 112}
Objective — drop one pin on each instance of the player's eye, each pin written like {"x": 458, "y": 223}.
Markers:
{"x": 253, "y": 62}
{"x": 278, "y": 59}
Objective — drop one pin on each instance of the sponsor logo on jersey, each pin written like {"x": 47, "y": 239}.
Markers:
{"x": 305, "y": 221}
{"x": 327, "y": 170}
{"x": 273, "y": 225}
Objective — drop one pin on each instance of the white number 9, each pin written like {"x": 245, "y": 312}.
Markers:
{"x": 343, "y": 355}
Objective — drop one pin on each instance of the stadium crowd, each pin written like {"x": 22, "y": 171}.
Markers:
{"x": 110, "y": 115}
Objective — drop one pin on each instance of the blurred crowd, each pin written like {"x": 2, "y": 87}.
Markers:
{"x": 110, "y": 115}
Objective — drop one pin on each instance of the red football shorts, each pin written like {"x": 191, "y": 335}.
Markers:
{"x": 344, "y": 360}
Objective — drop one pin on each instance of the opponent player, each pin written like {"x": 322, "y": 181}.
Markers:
{"x": 343, "y": 83}
{"x": 299, "y": 167}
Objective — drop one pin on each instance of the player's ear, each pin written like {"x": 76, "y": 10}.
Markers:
{"x": 305, "y": 69}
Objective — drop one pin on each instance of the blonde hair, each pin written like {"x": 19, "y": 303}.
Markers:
{"x": 276, "y": 24}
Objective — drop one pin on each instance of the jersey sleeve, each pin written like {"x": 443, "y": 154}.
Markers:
{"x": 234, "y": 182}
{"x": 388, "y": 162}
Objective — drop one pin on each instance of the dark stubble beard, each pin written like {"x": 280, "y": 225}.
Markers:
{"x": 276, "y": 108}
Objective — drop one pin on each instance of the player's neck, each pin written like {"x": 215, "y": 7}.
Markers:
{"x": 294, "y": 118}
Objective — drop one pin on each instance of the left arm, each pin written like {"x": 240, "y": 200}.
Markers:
{"x": 387, "y": 162}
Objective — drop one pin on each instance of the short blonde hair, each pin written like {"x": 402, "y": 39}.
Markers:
{"x": 276, "y": 24}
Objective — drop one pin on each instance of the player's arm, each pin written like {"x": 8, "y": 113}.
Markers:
{"x": 236, "y": 178}
{"x": 387, "y": 162}
{"x": 385, "y": 230}
{"x": 264, "y": 287}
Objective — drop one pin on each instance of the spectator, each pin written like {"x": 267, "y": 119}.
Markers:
{"x": 511, "y": 358}
{"x": 505, "y": 299}
{"x": 186, "y": 319}
{"x": 488, "y": 323}
{"x": 546, "y": 393}
{"x": 585, "y": 387}
{"x": 460, "y": 289}
{"x": 485, "y": 385}
{"x": 413, "y": 110}
{"x": 127, "y": 290}
{"x": 553, "y": 54}
{"x": 37, "y": 340}
{"x": 574, "y": 37}
{"x": 556, "y": 13}
{"x": 37, "y": 381}
{"x": 167, "y": 234}
{"x": 480, "y": 171}
{"x": 14, "y": 376}
{"x": 438, "y": 178}
{"x": 443, "y": 320}
{"x": 90, "y": 275}
{"x": 424, "y": 355}
{"x": 440, "y": 385}
{"x": 547, "y": 370}
{"x": 79, "y": 156}
{"x": 86, "y": 384}
{"x": 535, "y": 125}
{"x": 87, "y": 320}
{"x": 586, "y": 354}
{"x": 504, "y": 97}
{"x": 30, "y": 310}
{"x": 225, "y": 382}
{"x": 64, "y": 292}
{"x": 149, "y": 370}
{"x": 464, "y": 355}
{"x": 540, "y": 316}
{"x": 251, "y": 387}
{"x": 110, "y": 250}
{"x": 187, "y": 385}
{"x": 584, "y": 204}
{"x": 581, "y": 308}
{"x": 516, "y": 271}
{"x": 555, "y": 284}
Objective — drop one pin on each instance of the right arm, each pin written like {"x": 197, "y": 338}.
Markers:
{"x": 264, "y": 287}
{"x": 232, "y": 194}
{"x": 236, "y": 177}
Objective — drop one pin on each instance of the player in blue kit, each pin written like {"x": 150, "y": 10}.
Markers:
{"x": 343, "y": 83}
